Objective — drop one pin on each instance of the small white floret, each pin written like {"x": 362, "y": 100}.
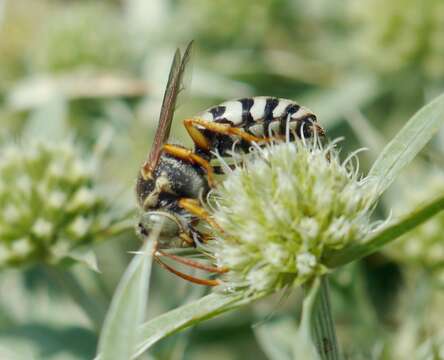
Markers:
{"x": 305, "y": 263}
{"x": 21, "y": 247}
{"x": 11, "y": 213}
{"x": 260, "y": 279}
{"x": 56, "y": 199}
{"x": 42, "y": 228}
{"x": 84, "y": 197}
{"x": 80, "y": 226}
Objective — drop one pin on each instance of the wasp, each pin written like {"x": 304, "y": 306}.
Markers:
{"x": 173, "y": 179}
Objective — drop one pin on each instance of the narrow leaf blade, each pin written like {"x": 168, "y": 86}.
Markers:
{"x": 387, "y": 234}
{"x": 127, "y": 311}
{"x": 187, "y": 315}
{"x": 408, "y": 143}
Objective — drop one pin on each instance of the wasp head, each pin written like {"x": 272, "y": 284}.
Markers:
{"x": 172, "y": 227}
{"x": 148, "y": 190}
{"x": 309, "y": 127}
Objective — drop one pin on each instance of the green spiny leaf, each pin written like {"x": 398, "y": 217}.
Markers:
{"x": 387, "y": 234}
{"x": 408, "y": 143}
{"x": 127, "y": 311}
{"x": 188, "y": 315}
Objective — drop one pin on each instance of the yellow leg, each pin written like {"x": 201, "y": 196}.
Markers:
{"x": 196, "y": 135}
{"x": 193, "y": 207}
{"x": 188, "y": 155}
{"x": 225, "y": 129}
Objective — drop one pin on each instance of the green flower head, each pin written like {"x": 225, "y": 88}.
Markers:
{"x": 49, "y": 204}
{"x": 283, "y": 209}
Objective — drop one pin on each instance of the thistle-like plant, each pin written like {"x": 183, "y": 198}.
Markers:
{"x": 283, "y": 209}
{"x": 290, "y": 214}
{"x": 49, "y": 204}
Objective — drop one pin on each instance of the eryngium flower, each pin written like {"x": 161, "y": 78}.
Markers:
{"x": 48, "y": 203}
{"x": 283, "y": 209}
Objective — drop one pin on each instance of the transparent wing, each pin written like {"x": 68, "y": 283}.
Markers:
{"x": 174, "y": 86}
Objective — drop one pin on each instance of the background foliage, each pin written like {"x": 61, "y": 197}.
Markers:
{"x": 92, "y": 73}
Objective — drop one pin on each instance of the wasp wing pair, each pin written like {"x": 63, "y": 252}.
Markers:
{"x": 174, "y": 86}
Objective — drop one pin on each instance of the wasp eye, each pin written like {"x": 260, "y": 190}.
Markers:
{"x": 308, "y": 127}
{"x": 142, "y": 229}
{"x": 170, "y": 224}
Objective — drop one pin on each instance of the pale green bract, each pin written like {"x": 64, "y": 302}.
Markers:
{"x": 283, "y": 209}
{"x": 127, "y": 310}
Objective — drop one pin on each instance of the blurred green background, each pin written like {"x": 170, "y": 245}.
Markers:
{"x": 93, "y": 73}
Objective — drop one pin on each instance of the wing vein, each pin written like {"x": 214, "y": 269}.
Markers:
{"x": 173, "y": 87}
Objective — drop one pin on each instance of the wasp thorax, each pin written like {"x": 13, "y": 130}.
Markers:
{"x": 173, "y": 178}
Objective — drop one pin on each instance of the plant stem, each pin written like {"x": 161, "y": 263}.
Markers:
{"x": 386, "y": 235}
{"x": 323, "y": 328}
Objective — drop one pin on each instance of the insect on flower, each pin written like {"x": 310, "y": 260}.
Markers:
{"x": 173, "y": 179}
